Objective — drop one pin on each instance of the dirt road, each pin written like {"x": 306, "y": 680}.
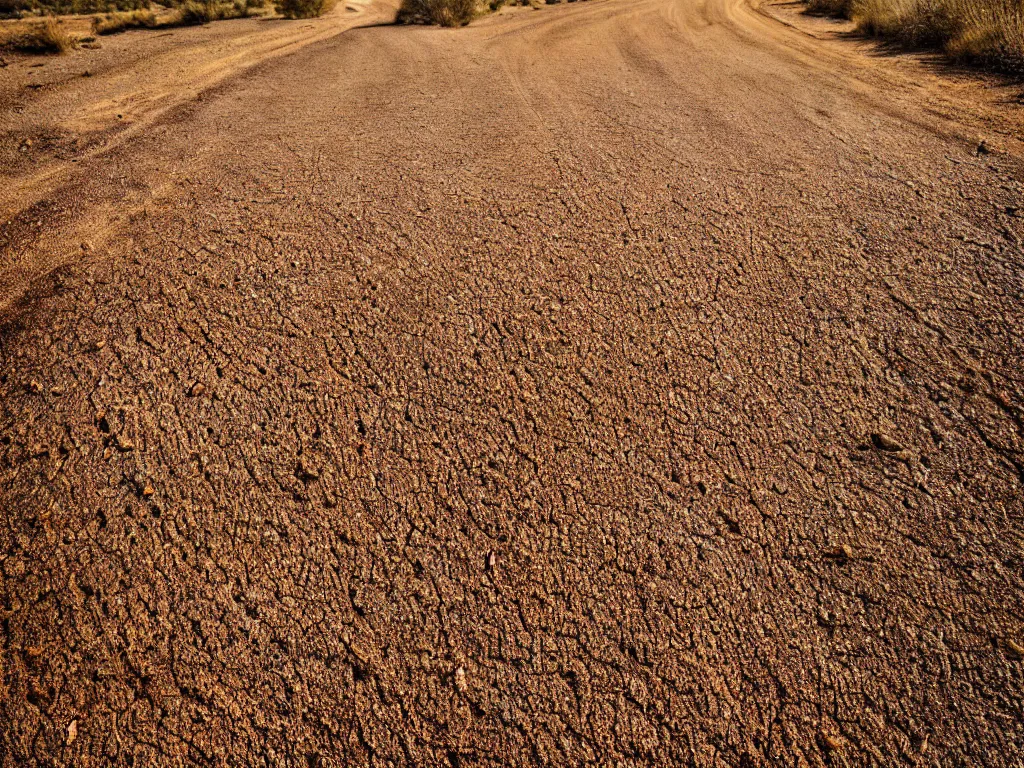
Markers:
{"x": 626, "y": 383}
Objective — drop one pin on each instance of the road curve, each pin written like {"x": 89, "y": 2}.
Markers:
{"x": 630, "y": 383}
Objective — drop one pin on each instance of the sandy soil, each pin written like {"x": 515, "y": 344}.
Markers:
{"x": 624, "y": 382}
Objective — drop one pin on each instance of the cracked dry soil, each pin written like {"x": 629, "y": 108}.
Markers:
{"x": 627, "y": 383}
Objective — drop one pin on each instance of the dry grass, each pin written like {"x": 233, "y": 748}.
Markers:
{"x": 42, "y": 37}
{"x": 303, "y": 9}
{"x": 839, "y": 8}
{"x": 118, "y": 22}
{"x": 193, "y": 13}
{"x": 447, "y": 13}
{"x": 989, "y": 32}
{"x": 187, "y": 14}
{"x": 59, "y": 7}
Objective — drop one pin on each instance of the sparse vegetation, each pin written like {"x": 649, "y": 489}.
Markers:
{"x": 989, "y": 32}
{"x": 447, "y": 13}
{"x": 303, "y": 9}
{"x": 189, "y": 13}
{"x": 840, "y": 8}
{"x": 193, "y": 13}
{"x": 118, "y": 22}
{"x": 132, "y": 14}
{"x": 42, "y": 37}
{"x": 57, "y": 7}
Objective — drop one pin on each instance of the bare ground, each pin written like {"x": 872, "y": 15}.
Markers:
{"x": 626, "y": 383}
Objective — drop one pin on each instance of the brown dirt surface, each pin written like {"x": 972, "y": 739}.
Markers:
{"x": 622, "y": 383}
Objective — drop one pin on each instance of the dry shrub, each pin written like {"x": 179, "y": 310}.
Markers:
{"x": 840, "y": 8}
{"x": 194, "y": 13}
{"x": 985, "y": 31}
{"x": 447, "y": 13}
{"x": 113, "y": 23}
{"x": 302, "y": 9}
{"x": 14, "y": 7}
{"x": 45, "y": 37}
{"x": 62, "y": 7}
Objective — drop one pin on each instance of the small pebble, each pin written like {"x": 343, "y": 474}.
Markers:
{"x": 884, "y": 442}
{"x": 460, "y": 679}
{"x": 839, "y": 552}
{"x": 832, "y": 744}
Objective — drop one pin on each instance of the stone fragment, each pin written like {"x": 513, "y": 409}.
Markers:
{"x": 839, "y": 552}
{"x": 460, "y": 679}
{"x": 884, "y": 442}
{"x": 830, "y": 742}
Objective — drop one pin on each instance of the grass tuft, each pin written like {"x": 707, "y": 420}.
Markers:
{"x": 446, "y": 13}
{"x": 113, "y": 23}
{"x": 303, "y": 9}
{"x": 839, "y": 8}
{"x": 62, "y": 7}
{"x": 986, "y": 32}
{"x": 194, "y": 13}
{"x": 44, "y": 37}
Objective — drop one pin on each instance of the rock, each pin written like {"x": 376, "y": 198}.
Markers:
{"x": 1014, "y": 648}
{"x": 305, "y": 472}
{"x": 489, "y": 562}
{"x": 839, "y": 552}
{"x": 884, "y": 442}
{"x": 922, "y": 745}
{"x": 100, "y": 344}
{"x": 72, "y": 732}
{"x": 460, "y": 679}
{"x": 983, "y": 148}
{"x": 830, "y": 742}
{"x": 197, "y": 389}
{"x": 148, "y": 491}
